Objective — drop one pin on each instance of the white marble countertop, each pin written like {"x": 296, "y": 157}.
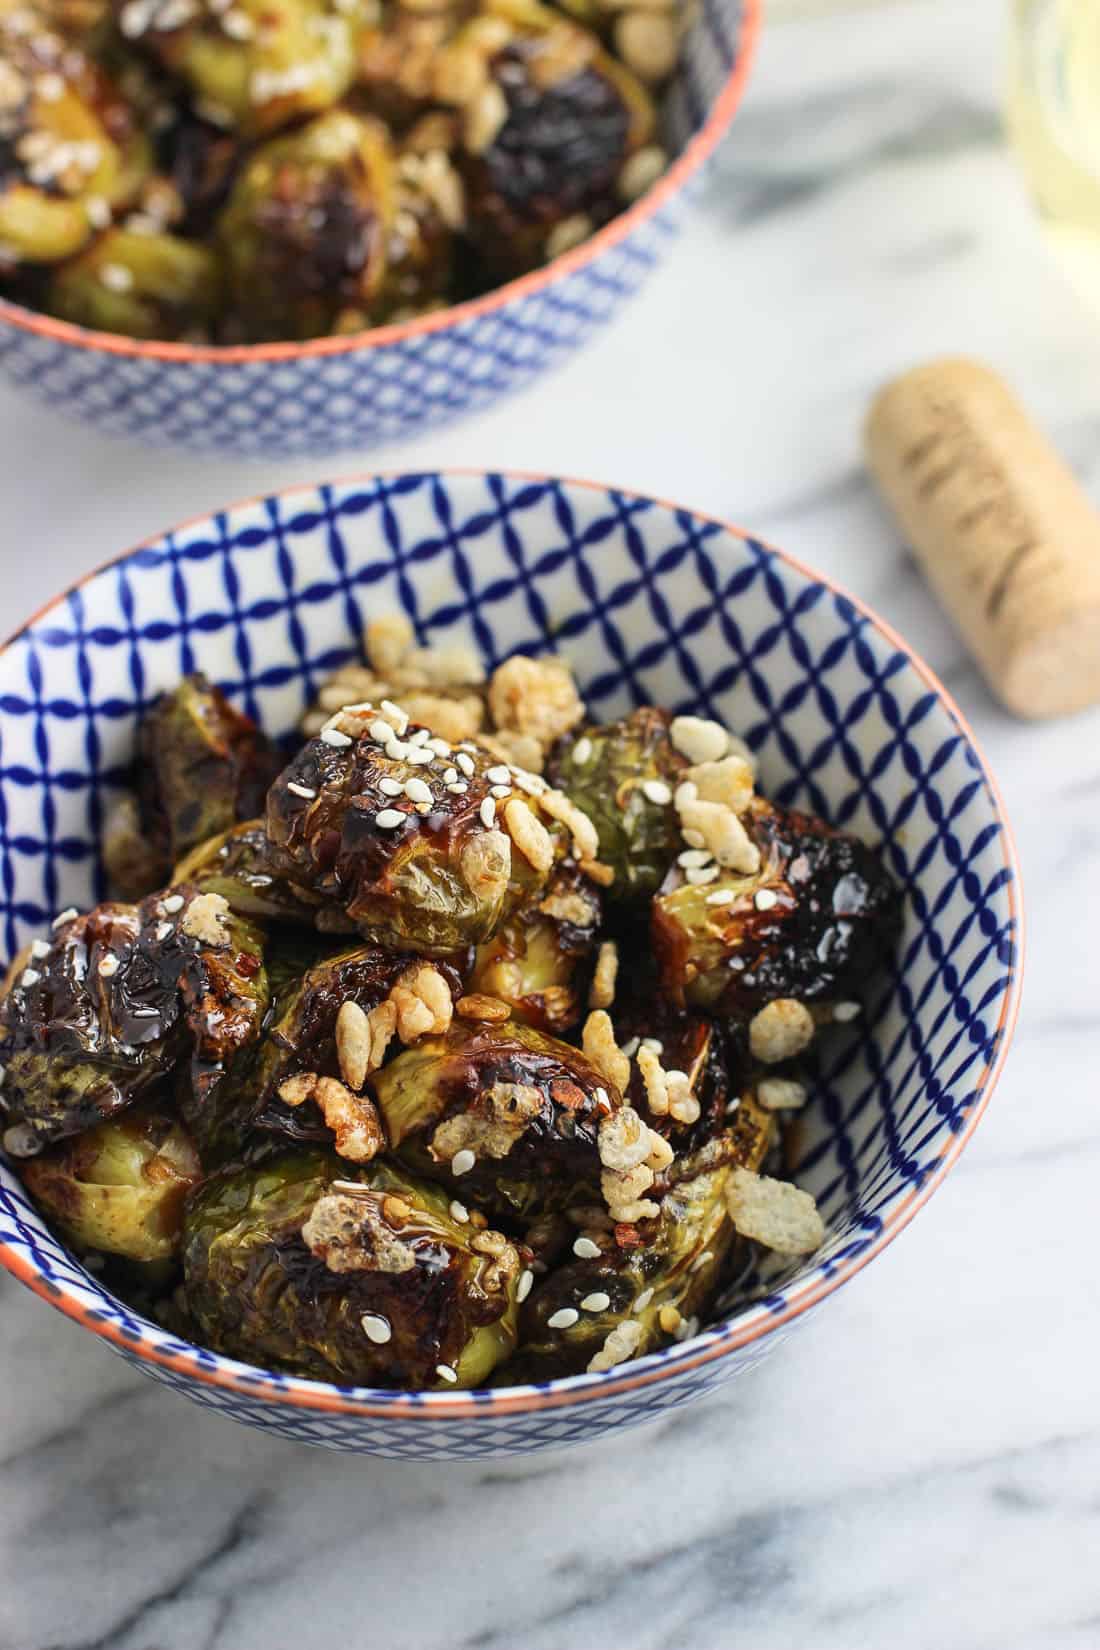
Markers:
{"x": 920, "y": 1466}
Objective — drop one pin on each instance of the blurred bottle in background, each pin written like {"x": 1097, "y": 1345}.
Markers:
{"x": 1054, "y": 121}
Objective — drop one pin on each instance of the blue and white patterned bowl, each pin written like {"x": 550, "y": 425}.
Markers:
{"x": 341, "y": 393}
{"x": 652, "y": 603}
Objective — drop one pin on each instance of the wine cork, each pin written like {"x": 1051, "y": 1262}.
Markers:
{"x": 1004, "y": 532}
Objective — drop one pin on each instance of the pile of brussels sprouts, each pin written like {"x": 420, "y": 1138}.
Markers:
{"x": 243, "y": 171}
{"x": 434, "y": 1058}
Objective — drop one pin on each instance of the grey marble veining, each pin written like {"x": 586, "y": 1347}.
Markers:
{"x": 919, "y": 1465}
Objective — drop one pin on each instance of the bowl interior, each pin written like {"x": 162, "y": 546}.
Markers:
{"x": 651, "y": 603}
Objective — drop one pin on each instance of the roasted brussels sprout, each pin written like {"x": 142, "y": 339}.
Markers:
{"x": 245, "y": 869}
{"x": 255, "y": 65}
{"x": 533, "y": 961}
{"x": 656, "y": 1286}
{"x": 365, "y": 1278}
{"x": 427, "y": 849}
{"x": 501, "y": 1113}
{"x": 119, "y": 1188}
{"x": 623, "y": 776}
{"x": 711, "y": 1056}
{"x": 306, "y": 229}
{"x": 812, "y": 925}
{"x": 142, "y": 285}
{"x": 68, "y": 150}
{"x": 203, "y": 767}
{"x": 103, "y": 1013}
{"x": 549, "y": 126}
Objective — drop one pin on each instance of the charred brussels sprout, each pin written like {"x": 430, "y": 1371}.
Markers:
{"x": 502, "y": 1113}
{"x": 426, "y": 849}
{"x": 68, "y": 150}
{"x": 104, "y": 1012}
{"x": 246, "y": 870}
{"x": 533, "y": 961}
{"x": 203, "y": 767}
{"x": 120, "y": 1188}
{"x": 368, "y": 1279}
{"x": 256, "y": 65}
{"x": 141, "y": 285}
{"x": 546, "y": 136}
{"x": 814, "y": 924}
{"x": 305, "y": 232}
{"x": 657, "y": 1287}
{"x": 606, "y": 772}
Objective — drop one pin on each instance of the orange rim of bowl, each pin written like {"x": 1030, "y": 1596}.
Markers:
{"x": 526, "y": 286}
{"x": 297, "y": 1392}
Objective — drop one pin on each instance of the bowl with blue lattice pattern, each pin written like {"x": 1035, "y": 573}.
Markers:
{"x": 367, "y": 387}
{"x": 651, "y": 604}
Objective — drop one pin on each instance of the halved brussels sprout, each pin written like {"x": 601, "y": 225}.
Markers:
{"x": 517, "y": 1111}
{"x": 70, "y": 150}
{"x": 114, "y": 1000}
{"x": 258, "y": 64}
{"x": 203, "y": 766}
{"x": 548, "y": 131}
{"x": 306, "y": 229}
{"x": 533, "y": 960}
{"x": 814, "y": 924}
{"x": 348, "y": 1275}
{"x": 409, "y": 838}
{"x": 119, "y": 1188}
{"x": 666, "y": 1279}
{"x": 141, "y": 285}
{"x": 246, "y": 870}
{"x": 605, "y": 771}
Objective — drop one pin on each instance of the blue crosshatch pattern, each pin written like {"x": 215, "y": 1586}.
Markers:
{"x": 368, "y": 394}
{"x": 651, "y": 603}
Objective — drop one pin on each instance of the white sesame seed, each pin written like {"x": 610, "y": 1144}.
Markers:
{"x": 380, "y": 731}
{"x": 585, "y": 1249}
{"x": 301, "y": 790}
{"x": 694, "y": 857}
{"x": 418, "y": 755}
{"x": 462, "y": 1162}
{"x": 458, "y": 789}
{"x": 643, "y": 1301}
{"x": 523, "y": 1287}
{"x": 450, "y": 776}
{"x": 466, "y": 763}
{"x": 597, "y": 1301}
{"x": 657, "y": 791}
{"x": 332, "y": 736}
{"x": 163, "y": 930}
{"x": 65, "y": 916}
{"x": 116, "y": 277}
{"x": 701, "y": 1260}
{"x": 391, "y": 787}
{"x": 699, "y": 878}
{"x": 376, "y": 1328}
{"x": 439, "y": 746}
{"x": 420, "y": 737}
{"x": 695, "y": 838}
{"x": 687, "y": 792}
{"x": 396, "y": 751}
{"x": 843, "y": 1012}
{"x": 630, "y": 1049}
{"x": 602, "y": 1098}
{"x": 488, "y": 812}
{"x": 97, "y": 211}
{"x": 565, "y": 1318}
{"x": 499, "y": 775}
{"x": 172, "y": 904}
{"x": 582, "y": 750}
{"x": 417, "y": 791}
{"x": 685, "y": 1330}
{"x": 39, "y": 948}
{"x": 108, "y": 965}
{"x": 459, "y": 1212}
{"x": 721, "y": 896}
{"x": 389, "y": 819}
{"x": 765, "y": 898}
{"x": 733, "y": 1105}
{"x": 446, "y": 1373}
{"x": 31, "y": 976}
{"x": 501, "y": 791}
